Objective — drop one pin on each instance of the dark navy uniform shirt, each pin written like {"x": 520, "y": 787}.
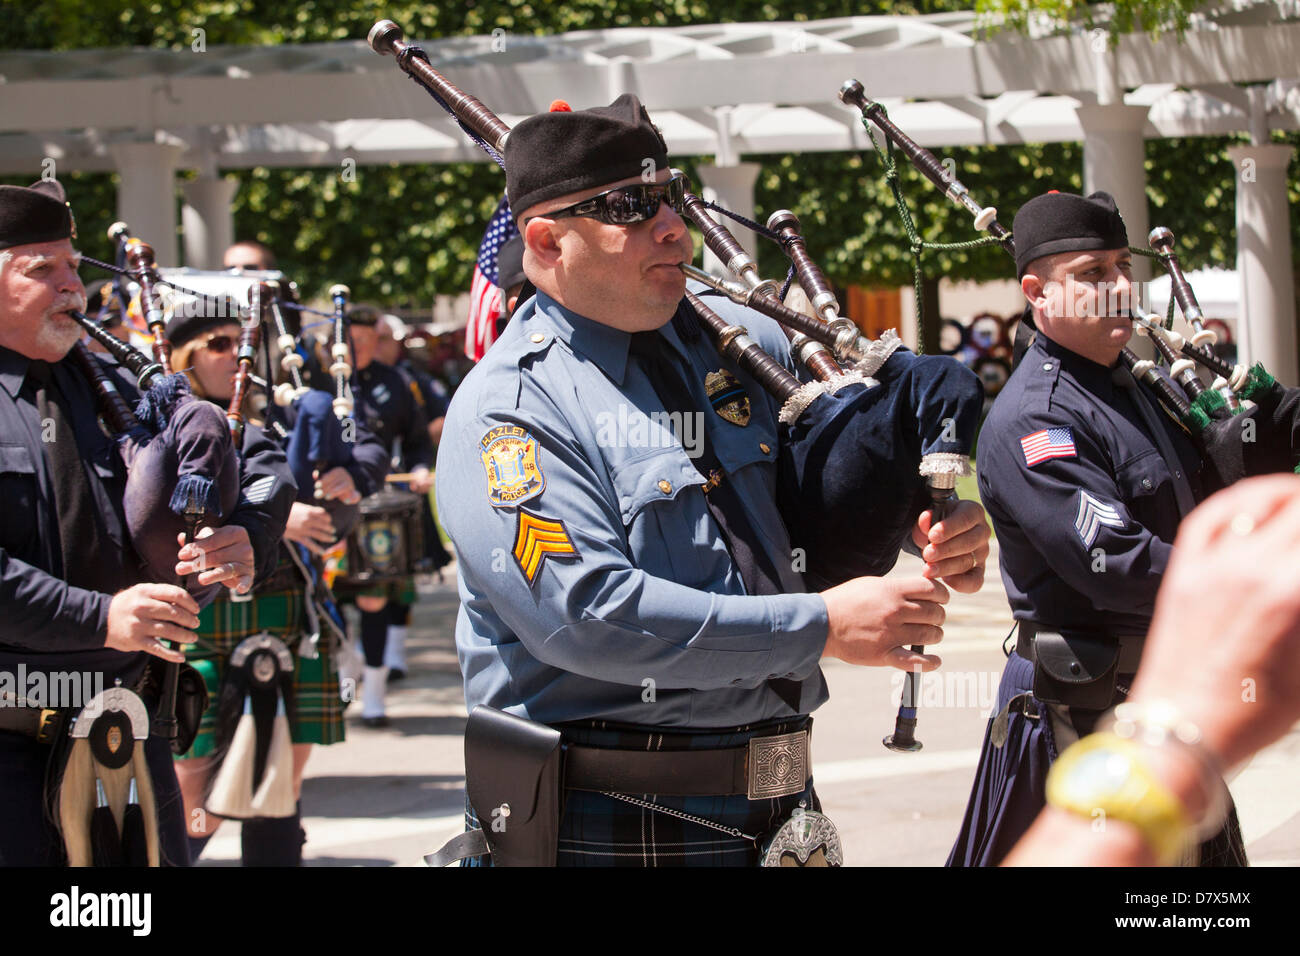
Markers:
{"x": 432, "y": 392}
{"x": 47, "y": 622}
{"x": 1081, "y": 499}
{"x": 392, "y": 407}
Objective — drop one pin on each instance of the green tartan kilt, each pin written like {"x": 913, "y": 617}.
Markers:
{"x": 224, "y": 623}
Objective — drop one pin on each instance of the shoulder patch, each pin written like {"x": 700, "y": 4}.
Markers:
{"x": 259, "y": 492}
{"x": 1092, "y": 514}
{"x": 514, "y": 474}
{"x": 1048, "y": 443}
{"x": 537, "y": 539}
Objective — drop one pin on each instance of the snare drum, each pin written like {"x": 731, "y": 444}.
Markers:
{"x": 388, "y": 542}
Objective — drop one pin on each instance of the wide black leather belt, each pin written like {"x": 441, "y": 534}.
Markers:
{"x": 764, "y": 767}
{"x": 1130, "y": 648}
{"x": 36, "y": 722}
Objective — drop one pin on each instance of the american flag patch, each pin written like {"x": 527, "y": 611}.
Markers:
{"x": 1048, "y": 443}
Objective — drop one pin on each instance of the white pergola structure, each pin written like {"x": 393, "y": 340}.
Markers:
{"x": 726, "y": 90}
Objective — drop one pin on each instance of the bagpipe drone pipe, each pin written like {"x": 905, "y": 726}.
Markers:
{"x": 317, "y": 426}
{"x": 851, "y": 469}
{"x": 1235, "y": 441}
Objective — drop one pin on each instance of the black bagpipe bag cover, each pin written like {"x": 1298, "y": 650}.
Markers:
{"x": 848, "y": 479}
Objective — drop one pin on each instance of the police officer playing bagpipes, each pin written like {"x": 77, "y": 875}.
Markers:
{"x": 623, "y": 613}
{"x": 79, "y": 783}
{"x": 1086, "y": 481}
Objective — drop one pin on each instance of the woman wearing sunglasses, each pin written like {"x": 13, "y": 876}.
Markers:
{"x": 205, "y": 346}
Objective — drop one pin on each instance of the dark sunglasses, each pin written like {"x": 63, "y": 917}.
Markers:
{"x": 626, "y": 204}
{"x": 220, "y": 343}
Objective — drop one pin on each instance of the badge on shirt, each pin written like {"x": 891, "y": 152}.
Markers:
{"x": 1048, "y": 443}
{"x": 536, "y": 540}
{"x": 1092, "y": 514}
{"x": 510, "y": 459}
{"x": 728, "y": 397}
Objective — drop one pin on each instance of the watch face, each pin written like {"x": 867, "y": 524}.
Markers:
{"x": 1100, "y": 773}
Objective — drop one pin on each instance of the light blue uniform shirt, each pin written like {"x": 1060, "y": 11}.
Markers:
{"x": 594, "y": 582}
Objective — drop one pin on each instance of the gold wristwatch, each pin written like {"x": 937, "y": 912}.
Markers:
{"x": 1105, "y": 777}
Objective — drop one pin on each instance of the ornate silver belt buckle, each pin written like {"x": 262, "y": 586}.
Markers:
{"x": 778, "y": 766}
{"x": 808, "y": 838}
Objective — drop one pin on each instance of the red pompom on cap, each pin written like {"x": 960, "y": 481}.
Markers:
{"x": 559, "y": 106}
{"x": 1053, "y": 192}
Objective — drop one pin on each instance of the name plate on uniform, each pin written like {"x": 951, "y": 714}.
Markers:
{"x": 778, "y": 766}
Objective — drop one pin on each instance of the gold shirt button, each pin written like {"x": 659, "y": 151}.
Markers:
{"x": 537, "y": 337}
{"x": 666, "y": 486}
{"x": 763, "y": 447}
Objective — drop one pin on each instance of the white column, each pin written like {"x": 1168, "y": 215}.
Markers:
{"x": 1267, "y": 322}
{"x": 207, "y": 223}
{"x": 731, "y": 187}
{"x": 1114, "y": 160}
{"x": 146, "y": 196}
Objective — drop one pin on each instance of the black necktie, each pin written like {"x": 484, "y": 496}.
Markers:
{"x": 755, "y": 566}
{"x": 1182, "y": 487}
{"x": 81, "y": 537}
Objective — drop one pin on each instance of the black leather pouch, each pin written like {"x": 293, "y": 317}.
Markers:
{"x": 191, "y": 702}
{"x": 512, "y": 774}
{"x": 1075, "y": 670}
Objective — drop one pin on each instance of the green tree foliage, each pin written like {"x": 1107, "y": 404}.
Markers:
{"x": 400, "y": 234}
{"x": 1117, "y": 17}
{"x": 78, "y": 24}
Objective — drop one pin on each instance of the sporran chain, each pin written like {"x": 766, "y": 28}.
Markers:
{"x": 681, "y": 815}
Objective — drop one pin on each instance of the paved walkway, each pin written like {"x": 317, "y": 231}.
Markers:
{"x": 385, "y": 797}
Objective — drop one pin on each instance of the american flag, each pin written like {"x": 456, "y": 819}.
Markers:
{"x": 485, "y": 303}
{"x": 1048, "y": 443}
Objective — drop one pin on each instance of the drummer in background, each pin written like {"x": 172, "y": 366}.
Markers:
{"x": 205, "y": 346}
{"x": 390, "y": 349}
{"x": 393, "y": 410}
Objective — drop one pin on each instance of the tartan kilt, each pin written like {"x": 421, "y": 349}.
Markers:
{"x": 224, "y": 623}
{"x": 596, "y": 830}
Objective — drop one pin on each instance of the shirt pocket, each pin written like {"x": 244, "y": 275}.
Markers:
{"x": 1146, "y": 488}
{"x": 18, "y": 493}
{"x": 664, "y": 515}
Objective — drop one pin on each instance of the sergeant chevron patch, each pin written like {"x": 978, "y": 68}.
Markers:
{"x": 537, "y": 539}
{"x": 1092, "y": 514}
{"x": 258, "y": 492}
